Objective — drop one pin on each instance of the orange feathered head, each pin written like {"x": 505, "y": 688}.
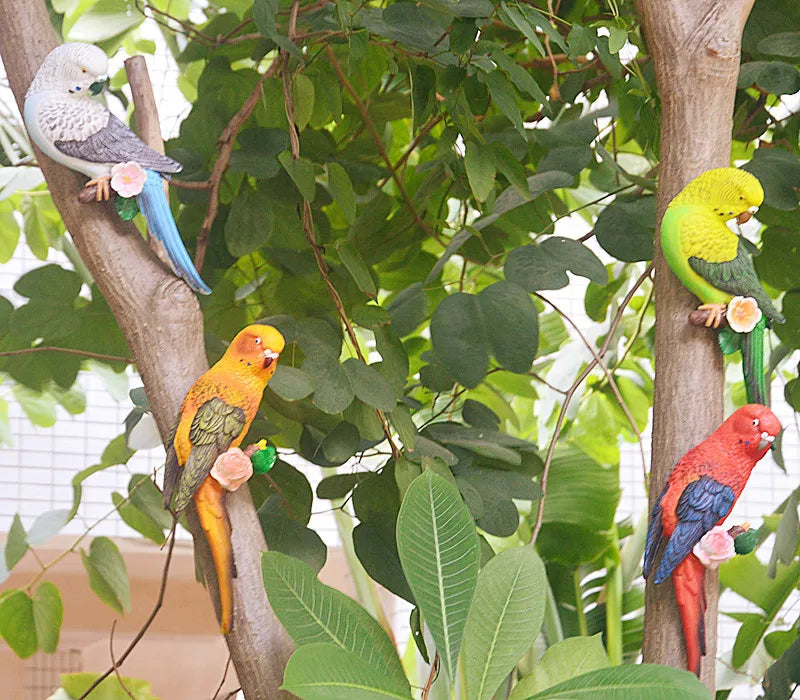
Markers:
{"x": 256, "y": 348}
{"x": 754, "y": 427}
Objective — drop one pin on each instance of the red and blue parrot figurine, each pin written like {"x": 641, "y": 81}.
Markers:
{"x": 700, "y": 492}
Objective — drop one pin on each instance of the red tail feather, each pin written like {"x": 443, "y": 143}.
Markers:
{"x": 689, "y": 582}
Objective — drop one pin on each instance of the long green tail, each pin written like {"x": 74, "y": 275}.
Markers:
{"x": 755, "y": 382}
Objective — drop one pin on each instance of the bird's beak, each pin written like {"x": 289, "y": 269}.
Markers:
{"x": 270, "y": 357}
{"x": 766, "y": 440}
{"x": 97, "y": 87}
{"x": 744, "y": 217}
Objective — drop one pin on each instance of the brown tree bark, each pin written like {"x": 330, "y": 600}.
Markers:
{"x": 695, "y": 46}
{"x": 161, "y": 320}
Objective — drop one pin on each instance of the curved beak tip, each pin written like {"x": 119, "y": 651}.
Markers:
{"x": 744, "y": 217}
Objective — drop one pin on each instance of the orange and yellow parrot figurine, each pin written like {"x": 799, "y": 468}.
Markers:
{"x": 214, "y": 417}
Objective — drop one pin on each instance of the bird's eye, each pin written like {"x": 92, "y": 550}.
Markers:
{"x": 755, "y": 422}
{"x": 258, "y": 341}
{"x": 83, "y": 70}
{"x": 741, "y": 196}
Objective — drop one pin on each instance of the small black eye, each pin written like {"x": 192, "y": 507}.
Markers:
{"x": 258, "y": 341}
{"x": 755, "y": 422}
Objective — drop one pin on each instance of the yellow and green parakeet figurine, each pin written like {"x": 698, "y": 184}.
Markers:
{"x": 714, "y": 264}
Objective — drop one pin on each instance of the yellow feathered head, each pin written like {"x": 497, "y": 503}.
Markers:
{"x": 729, "y": 192}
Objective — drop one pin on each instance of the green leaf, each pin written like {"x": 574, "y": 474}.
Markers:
{"x": 408, "y": 309}
{"x": 312, "y": 612}
{"x": 356, "y": 266}
{"x": 290, "y": 383}
{"x": 626, "y": 228}
{"x": 504, "y": 619}
{"x": 341, "y": 189}
{"x": 46, "y": 525}
{"x": 17, "y": 624}
{"x": 9, "y": 232}
{"x": 376, "y": 548}
{"x": 301, "y": 170}
{"x": 108, "y": 576}
{"x": 289, "y": 536}
{"x": 617, "y": 39}
{"x": 511, "y": 325}
{"x": 786, "y": 44}
{"x": 76, "y": 684}
{"x": 479, "y": 164}
{"x": 774, "y": 77}
{"x": 786, "y": 536}
{"x": 505, "y": 99}
{"x": 51, "y": 282}
{"x": 334, "y": 391}
{"x": 642, "y": 682}
{"x": 303, "y": 95}
{"x": 16, "y": 543}
{"x": 338, "y": 485}
{"x": 778, "y": 170}
{"x": 400, "y": 418}
{"x": 369, "y": 385}
{"x": 561, "y": 662}
{"x": 341, "y": 443}
{"x": 39, "y": 406}
{"x": 773, "y": 265}
{"x": 47, "y": 616}
{"x": 328, "y": 672}
{"x": 250, "y": 222}
{"x": 783, "y": 676}
{"x": 137, "y": 519}
{"x": 440, "y": 553}
{"x": 101, "y": 21}
{"x": 544, "y": 266}
{"x": 459, "y": 338}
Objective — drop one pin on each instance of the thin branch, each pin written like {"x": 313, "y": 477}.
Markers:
{"x": 423, "y": 132}
{"x": 434, "y": 672}
{"x": 225, "y": 147}
{"x": 609, "y": 376}
{"x": 570, "y": 393}
{"x": 147, "y": 622}
{"x": 114, "y": 663}
{"x": 67, "y": 351}
{"x": 308, "y": 226}
{"x": 379, "y": 144}
{"x": 224, "y": 676}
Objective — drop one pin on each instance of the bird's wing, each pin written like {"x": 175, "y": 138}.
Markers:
{"x": 737, "y": 277}
{"x": 215, "y": 426}
{"x": 655, "y": 535}
{"x": 116, "y": 143}
{"x": 703, "y": 503}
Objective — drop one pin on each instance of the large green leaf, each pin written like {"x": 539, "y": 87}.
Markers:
{"x": 504, "y": 619}
{"x": 544, "y": 266}
{"x": 626, "y": 228}
{"x": 328, "y": 672}
{"x": 511, "y": 325}
{"x": 440, "y": 553}
{"x": 567, "y": 659}
{"x": 17, "y": 623}
{"x": 108, "y": 576}
{"x": 643, "y": 682}
{"x": 47, "y": 616}
{"x": 459, "y": 338}
{"x": 312, "y": 612}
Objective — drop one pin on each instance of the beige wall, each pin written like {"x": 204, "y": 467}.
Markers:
{"x": 182, "y": 654}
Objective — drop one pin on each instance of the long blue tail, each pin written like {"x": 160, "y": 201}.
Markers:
{"x": 155, "y": 207}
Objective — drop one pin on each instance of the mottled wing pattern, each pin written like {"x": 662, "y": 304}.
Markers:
{"x": 116, "y": 143}
{"x": 171, "y": 467}
{"x": 655, "y": 535}
{"x": 215, "y": 426}
{"x": 739, "y": 278}
{"x": 702, "y": 505}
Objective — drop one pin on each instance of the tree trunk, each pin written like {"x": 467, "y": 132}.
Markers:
{"x": 161, "y": 320}
{"x": 695, "y": 48}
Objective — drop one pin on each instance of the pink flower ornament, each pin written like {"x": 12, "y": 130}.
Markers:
{"x": 127, "y": 179}
{"x": 232, "y": 468}
{"x": 743, "y": 314}
{"x": 715, "y": 547}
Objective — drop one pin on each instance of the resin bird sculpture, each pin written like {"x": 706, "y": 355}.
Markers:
{"x": 74, "y": 129}
{"x": 700, "y": 492}
{"x": 214, "y": 417}
{"x": 714, "y": 264}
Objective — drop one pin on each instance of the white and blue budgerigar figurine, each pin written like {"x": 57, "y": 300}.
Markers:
{"x": 74, "y": 129}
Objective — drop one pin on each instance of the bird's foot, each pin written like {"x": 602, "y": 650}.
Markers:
{"x": 103, "y": 193}
{"x": 716, "y": 312}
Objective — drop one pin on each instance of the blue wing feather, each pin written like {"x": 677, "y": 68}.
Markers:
{"x": 701, "y": 506}
{"x": 655, "y": 533}
{"x": 153, "y": 203}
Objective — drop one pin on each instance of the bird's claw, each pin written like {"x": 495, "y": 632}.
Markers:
{"x": 716, "y": 312}
{"x": 103, "y": 192}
